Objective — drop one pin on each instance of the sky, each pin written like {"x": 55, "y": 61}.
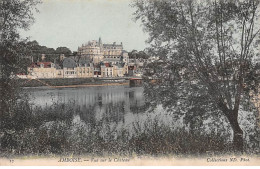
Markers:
{"x": 71, "y": 23}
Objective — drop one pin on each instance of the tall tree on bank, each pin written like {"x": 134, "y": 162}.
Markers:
{"x": 206, "y": 50}
{"x": 15, "y": 15}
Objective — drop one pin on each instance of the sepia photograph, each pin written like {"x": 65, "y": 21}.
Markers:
{"x": 129, "y": 83}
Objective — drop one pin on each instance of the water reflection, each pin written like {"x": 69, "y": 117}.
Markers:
{"x": 109, "y": 104}
{"x": 111, "y": 110}
{"x": 120, "y": 107}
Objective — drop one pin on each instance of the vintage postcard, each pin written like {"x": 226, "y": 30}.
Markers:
{"x": 129, "y": 82}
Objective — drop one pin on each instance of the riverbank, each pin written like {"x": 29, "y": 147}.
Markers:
{"x": 75, "y": 82}
{"x": 91, "y": 85}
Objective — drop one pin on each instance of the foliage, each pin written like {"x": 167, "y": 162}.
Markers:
{"x": 57, "y": 130}
{"x": 63, "y": 50}
{"x": 134, "y": 54}
{"x": 206, "y": 49}
{"x": 15, "y": 15}
{"x": 51, "y": 55}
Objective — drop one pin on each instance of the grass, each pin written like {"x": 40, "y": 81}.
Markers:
{"x": 53, "y": 131}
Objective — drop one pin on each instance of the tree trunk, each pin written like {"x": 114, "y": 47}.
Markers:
{"x": 237, "y": 132}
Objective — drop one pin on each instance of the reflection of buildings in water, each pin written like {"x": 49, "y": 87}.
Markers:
{"x": 83, "y": 96}
{"x": 110, "y": 102}
{"x": 111, "y": 95}
{"x": 131, "y": 95}
{"x": 99, "y": 99}
{"x": 136, "y": 105}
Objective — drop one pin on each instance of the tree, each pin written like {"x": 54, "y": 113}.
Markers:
{"x": 37, "y": 50}
{"x": 206, "y": 50}
{"x": 142, "y": 55}
{"x": 74, "y": 53}
{"x": 63, "y": 50}
{"x": 14, "y": 15}
{"x": 132, "y": 54}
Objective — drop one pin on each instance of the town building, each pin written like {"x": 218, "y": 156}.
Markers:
{"x": 107, "y": 70}
{"x": 94, "y": 59}
{"x": 120, "y": 69}
{"x": 97, "y": 71}
{"x": 69, "y": 68}
{"x": 98, "y": 52}
{"x": 85, "y": 68}
{"x": 41, "y": 70}
{"x": 92, "y": 50}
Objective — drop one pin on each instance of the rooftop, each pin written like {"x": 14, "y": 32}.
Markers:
{"x": 38, "y": 64}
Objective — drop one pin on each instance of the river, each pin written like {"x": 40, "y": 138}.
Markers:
{"x": 118, "y": 105}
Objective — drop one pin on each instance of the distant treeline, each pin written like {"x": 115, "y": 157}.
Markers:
{"x": 50, "y": 53}
{"x": 35, "y": 52}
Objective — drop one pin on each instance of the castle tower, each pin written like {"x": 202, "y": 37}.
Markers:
{"x": 100, "y": 42}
